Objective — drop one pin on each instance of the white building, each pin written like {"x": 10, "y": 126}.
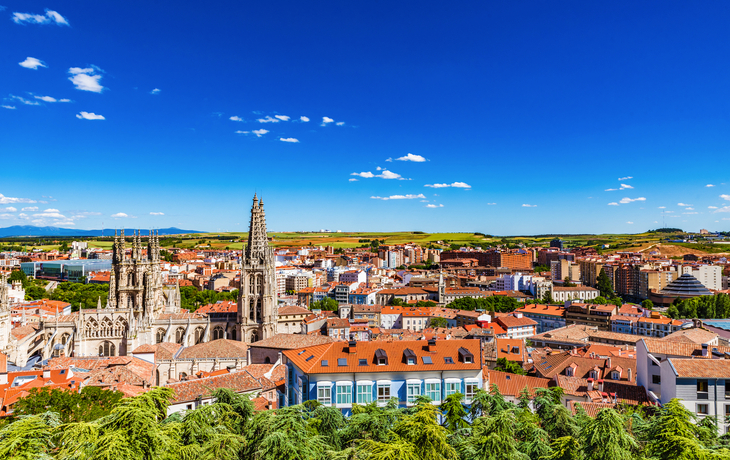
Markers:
{"x": 709, "y": 275}
{"x": 353, "y": 276}
{"x": 562, "y": 294}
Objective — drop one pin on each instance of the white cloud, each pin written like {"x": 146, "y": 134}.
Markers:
{"x": 119, "y": 215}
{"x": 629, "y": 222}
{"x": 282, "y": 117}
{"x": 712, "y": 207}
{"x": 709, "y": 185}
{"x": 412, "y": 157}
{"x": 10, "y": 107}
{"x": 630, "y": 200}
{"x": 24, "y": 101}
{"x": 454, "y": 184}
{"x": 155, "y": 91}
{"x": 67, "y": 223}
{"x": 352, "y": 180}
{"x": 529, "y": 205}
{"x": 51, "y": 210}
{"x": 8, "y": 200}
{"x": 326, "y": 120}
{"x": 434, "y": 206}
{"x": 7, "y": 216}
{"x": 86, "y": 79}
{"x": 32, "y": 63}
{"x": 257, "y": 132}
{"x": 385, "y": 174}
{"x": 683, "y": 204}
{"x": 399, "y": 197}
{"x": 610, "y": 190}
{"x": 157, "y": 214}
{"x": 624, "y": 178}
{"x": 723, "y": 209}
{"x": 340, "y": 123}
{"x": 491, "y": 204}
{"x": 289, "y": 139}
{"x": 725, "y": 197}
{"x": 268, "y": 119}
{"x": 50, "y": 213}
{"x": 695, "y": 212}
{"x": 613, "y": 204}
{"x": 30, "y": 208}
{"x": 236, "y": 118}
{"x": 11, "y": 209}
{"x": 662, "y": 207}
{"x": 365, "y": 174}
{"x": 46, "y": 98}
{"x": 304, "y": 119}
{"x": 89, "y": 116}
{"x": 51, "y": 17}
{"x": 690, "y": 209}
{"x": 625, "y": 186}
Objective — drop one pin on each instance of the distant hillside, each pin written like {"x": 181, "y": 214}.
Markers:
{"x": 29, "y": 230}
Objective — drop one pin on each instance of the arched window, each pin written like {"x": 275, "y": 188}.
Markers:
{"x": 120, "y": 327}
{"x": 199, "y": 335}
{"x": 232, "y": 335}
{"x": 267, "y": 360}
{"x": 180, "y": 335}
{"x": 92, "y": 328}
{"x": 160, "y": 336}
{"x": 106, "y": 327}
{"x": 254, "y": 336}
{"x": 107, "y": 349}
{"x": 251, "y": 310}
{"x": 218, "y": 333}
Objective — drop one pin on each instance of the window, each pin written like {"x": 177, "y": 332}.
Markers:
{"x": 324, "y": 394}
{"x": 433, "y": 391}
{"x": 383, "y": 392}
{"x": 615, "y": 375}
{"x": 325, "y": 363}
{"x": 448, "y": 360}
{"x": 414, "y": 391}
{"x": 364, "y": 393}
{"x": 427, "y": 360}
{"x": 703, "y": 409}
{"x": 452, "y": 387}
{"x": 569, "y": 371}
{"x": 471, "y": 389}
{"x": 727, "y": 410}
{"x": 344, "y": 394}
{"x": 411, "y": 360}
{"x": 363, "y": 362}
{"x": 342, "y": 362}
{"x": 656, "y": 379}
{"x": 702, "y": 389}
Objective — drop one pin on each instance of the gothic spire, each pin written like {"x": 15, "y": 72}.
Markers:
{"x": 257, "y": 241}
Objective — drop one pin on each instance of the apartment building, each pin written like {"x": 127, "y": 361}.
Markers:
{"x": 340, "y": 374}
{"x": 564, "y": 294}
{"x": 590, "y": 315}
{"x": 547, "y": 317}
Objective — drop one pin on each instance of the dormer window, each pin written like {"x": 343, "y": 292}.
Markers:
{"x": 569, "y": 371}
{"x": 409, "y": 356}
{"x": 381, "y": 357}
{"x": 466, "y": 356}
{"x": 615, "y": 375}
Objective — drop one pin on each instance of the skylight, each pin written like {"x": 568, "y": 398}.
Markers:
{"x": 342, "y": 361}
{"x": 325, "y": 363}
{"x": 427, "y": 360}
{"x": 363, "y": 362}
{"x": 448, "y": 360}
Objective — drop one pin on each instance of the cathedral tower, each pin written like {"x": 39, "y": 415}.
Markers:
{"x": 257, "y": 309}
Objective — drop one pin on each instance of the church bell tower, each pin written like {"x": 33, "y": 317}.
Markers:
{"x": 257, "y": 309}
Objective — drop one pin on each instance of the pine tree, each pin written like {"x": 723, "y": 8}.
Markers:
{"x": 603, "y": 283}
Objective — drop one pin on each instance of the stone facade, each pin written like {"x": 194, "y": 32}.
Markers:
{"x": 257, "y": 310}
{"x": 142, "y": 310}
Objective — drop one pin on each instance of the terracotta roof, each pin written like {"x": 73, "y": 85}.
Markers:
{"x": 701, "y": 368}
{"x": 512, "y": 321}
{"x": 538, "y": 309}
{"x": 511, "y": 349}
{"x": 591, "y": 408}
{"x": 24, "y": 331}
{"x": 573, "y": 288}
{"x": 291, "y": 341}
{"x": 293, "y": 310}
{"x": 223, "y": 306}
{"x": 87, "y": 363}
{"x": 694, "y": 335}
{"x": 336, "y": 323}
{"x": 181, "y": 315}
{"x": 576, "y": 386}
{"x": 556, "y": 363}
{"x": 660, "y": 346}
{"x": 135, "y": 372}
{"x": 221, "y": 348}
{"x": 335, "y": 357}
{"x": 513, "y": 384}
{"x": 163, "y": 350}
{"x": 191, "y": 390}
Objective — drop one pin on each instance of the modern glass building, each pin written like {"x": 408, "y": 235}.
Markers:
{"x": 65, "y": 270}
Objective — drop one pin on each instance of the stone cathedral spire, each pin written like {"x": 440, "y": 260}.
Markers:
{"x": 257, "y": 309}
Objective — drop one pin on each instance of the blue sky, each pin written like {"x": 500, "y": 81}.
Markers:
{"x": 522, "y": 116}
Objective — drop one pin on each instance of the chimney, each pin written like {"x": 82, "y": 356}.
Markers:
{"x": 590, "y": 384}
{"x": 608, "y": 362}
{"x": 3, "y": 378}
{"x": 628, "y": 374}
{"x": 704, "y": 349}
{"x": 600, "y": 385}
{"x": 46, "y": 373}
{"x": 432, "y": 344}
{"x": 352, "y": 346}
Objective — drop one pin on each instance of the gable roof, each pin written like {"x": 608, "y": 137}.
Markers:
{"x": 221, "y": 348}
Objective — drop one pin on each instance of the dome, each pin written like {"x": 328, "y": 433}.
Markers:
{"x": 685, "y": 286}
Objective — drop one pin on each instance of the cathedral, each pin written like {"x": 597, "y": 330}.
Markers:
{"x": 142, "y": 309}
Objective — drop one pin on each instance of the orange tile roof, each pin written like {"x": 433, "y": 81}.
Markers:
{"x": 701, "y": 368}
{"x": 513, "y": 384}
{"x": 310, "y": 359}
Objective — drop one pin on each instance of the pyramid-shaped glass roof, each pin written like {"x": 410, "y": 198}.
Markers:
{"x": 685, "y": 286}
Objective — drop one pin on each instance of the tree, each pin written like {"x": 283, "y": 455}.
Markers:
{"x": 541, "y": 268}
{"x": 600, "y": 300}
{"x": 548, "y": 297}
{"x": 396, "y": 301}
{"x": 454, "y": 412}
{"x": 568, "y": 283}
{"x": 438, "y": 321}
{"x": 18, "y": 275}
{"x": 605, "y": 438}
{"x": 30, "y": 437}
{"x": 648, "y": 304}
{"x": 604, "y": 285}
{"x": 85, "y": 406}
{"x": 327, "y": 303}
{"x": 672, "y": 312}
{"x": 504, "y": 365}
